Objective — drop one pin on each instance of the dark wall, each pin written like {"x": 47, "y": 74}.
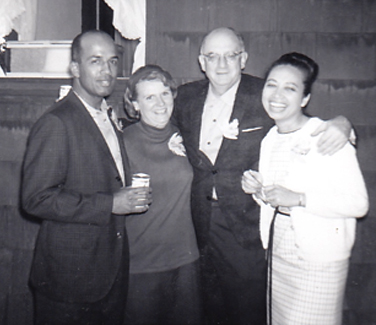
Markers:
{"x": 340, "y": 35}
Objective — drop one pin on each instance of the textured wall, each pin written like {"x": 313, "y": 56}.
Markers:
{"x": 20, "y": 105}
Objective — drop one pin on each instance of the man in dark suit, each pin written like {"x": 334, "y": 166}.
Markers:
{"x": 222, "y": 123}
{"x": 74, "y": 180}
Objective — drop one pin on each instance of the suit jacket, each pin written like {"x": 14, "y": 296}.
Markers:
{"x": 234, "y": 157}
{"x": 69, "y": 176}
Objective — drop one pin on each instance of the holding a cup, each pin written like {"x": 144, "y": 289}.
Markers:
{"x": 140, "y": 180}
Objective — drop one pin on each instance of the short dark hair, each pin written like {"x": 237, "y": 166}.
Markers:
{"x": 76, "y": 44}
{"x": 302, "y": 62}
{"x": 148, "y": 72}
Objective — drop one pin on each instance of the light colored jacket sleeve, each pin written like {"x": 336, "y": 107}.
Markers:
{"x": 334, "y": 184}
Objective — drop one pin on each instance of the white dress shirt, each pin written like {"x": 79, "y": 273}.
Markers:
{"x": 102, "y": 120}
{"x": 215, "y": 116}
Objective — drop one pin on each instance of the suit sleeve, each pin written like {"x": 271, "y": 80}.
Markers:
{"x": 44, "y": 190}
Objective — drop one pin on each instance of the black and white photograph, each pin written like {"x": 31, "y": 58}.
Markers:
{"x": 187, "y": 162}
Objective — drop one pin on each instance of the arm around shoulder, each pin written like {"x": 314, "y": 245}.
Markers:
{"x": 334, "y": 134}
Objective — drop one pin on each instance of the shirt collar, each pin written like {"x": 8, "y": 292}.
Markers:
{"x": 92, "y": 110}
{"x": 228, "y": 97}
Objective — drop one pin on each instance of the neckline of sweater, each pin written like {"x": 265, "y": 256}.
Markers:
{"x": 155, "y": 133}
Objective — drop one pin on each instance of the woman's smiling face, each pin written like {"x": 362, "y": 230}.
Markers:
{"x": 283, "y": 94}
{"x": 155, "y": 102}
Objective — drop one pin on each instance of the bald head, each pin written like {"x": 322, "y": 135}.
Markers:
{"x": 222, "y": 58}
{"x": 94, "y": 66}
{"x": 222, "y": 33}
{"x": 90, "y": 36}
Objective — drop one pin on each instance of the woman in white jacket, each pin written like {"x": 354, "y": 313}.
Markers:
{"x": 309, "y": 202}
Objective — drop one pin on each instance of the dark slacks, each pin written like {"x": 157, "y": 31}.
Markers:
{"x": 169, "y": 297}
{"x": 234, "y": 278}
{"x": 107, "y": 311}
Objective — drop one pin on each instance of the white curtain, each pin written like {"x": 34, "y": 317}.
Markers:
{"x": 19, "y": 15}
{"x": 130, "y": 20}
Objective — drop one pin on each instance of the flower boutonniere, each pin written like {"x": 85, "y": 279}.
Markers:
{"x": 231, "y": 129}
{"x": 302, "y": 147}
{"x": 175, "y": 144}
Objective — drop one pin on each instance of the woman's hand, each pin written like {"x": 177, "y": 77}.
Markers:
{"x": 278, "y": 196}
{"x": 252, "y": 182}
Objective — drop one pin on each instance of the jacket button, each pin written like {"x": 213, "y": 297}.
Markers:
{"x": 118, "y": 235}
{"x": 209, "y": 198}
{"x": 214, "y": 171}
{"x": 118, "y": 178}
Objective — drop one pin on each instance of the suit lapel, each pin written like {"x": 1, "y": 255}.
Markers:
{"x": 87, "y": 122}
{"x": 238, "y": 110}
{"x": 240, "y": 103}
{"x": 196, "y": 119}
{"x": 126, "y": 166}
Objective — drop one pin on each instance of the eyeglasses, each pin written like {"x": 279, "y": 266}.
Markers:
{"x": 229, "y": 57}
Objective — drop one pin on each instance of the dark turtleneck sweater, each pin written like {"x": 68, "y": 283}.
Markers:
{"x": 163, "y": 238}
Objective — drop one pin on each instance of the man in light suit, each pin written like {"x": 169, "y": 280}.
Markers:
{"x": 75, "y": 180}
{"x": 222, "y": 123}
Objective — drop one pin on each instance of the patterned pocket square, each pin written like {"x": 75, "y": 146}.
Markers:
{"x": 253, "y": 129}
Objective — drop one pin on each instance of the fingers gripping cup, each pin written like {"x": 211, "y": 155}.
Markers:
{"x": 140, "y": 180}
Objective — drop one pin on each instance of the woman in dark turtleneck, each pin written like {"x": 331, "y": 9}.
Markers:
{"x": 163, "y": 286}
